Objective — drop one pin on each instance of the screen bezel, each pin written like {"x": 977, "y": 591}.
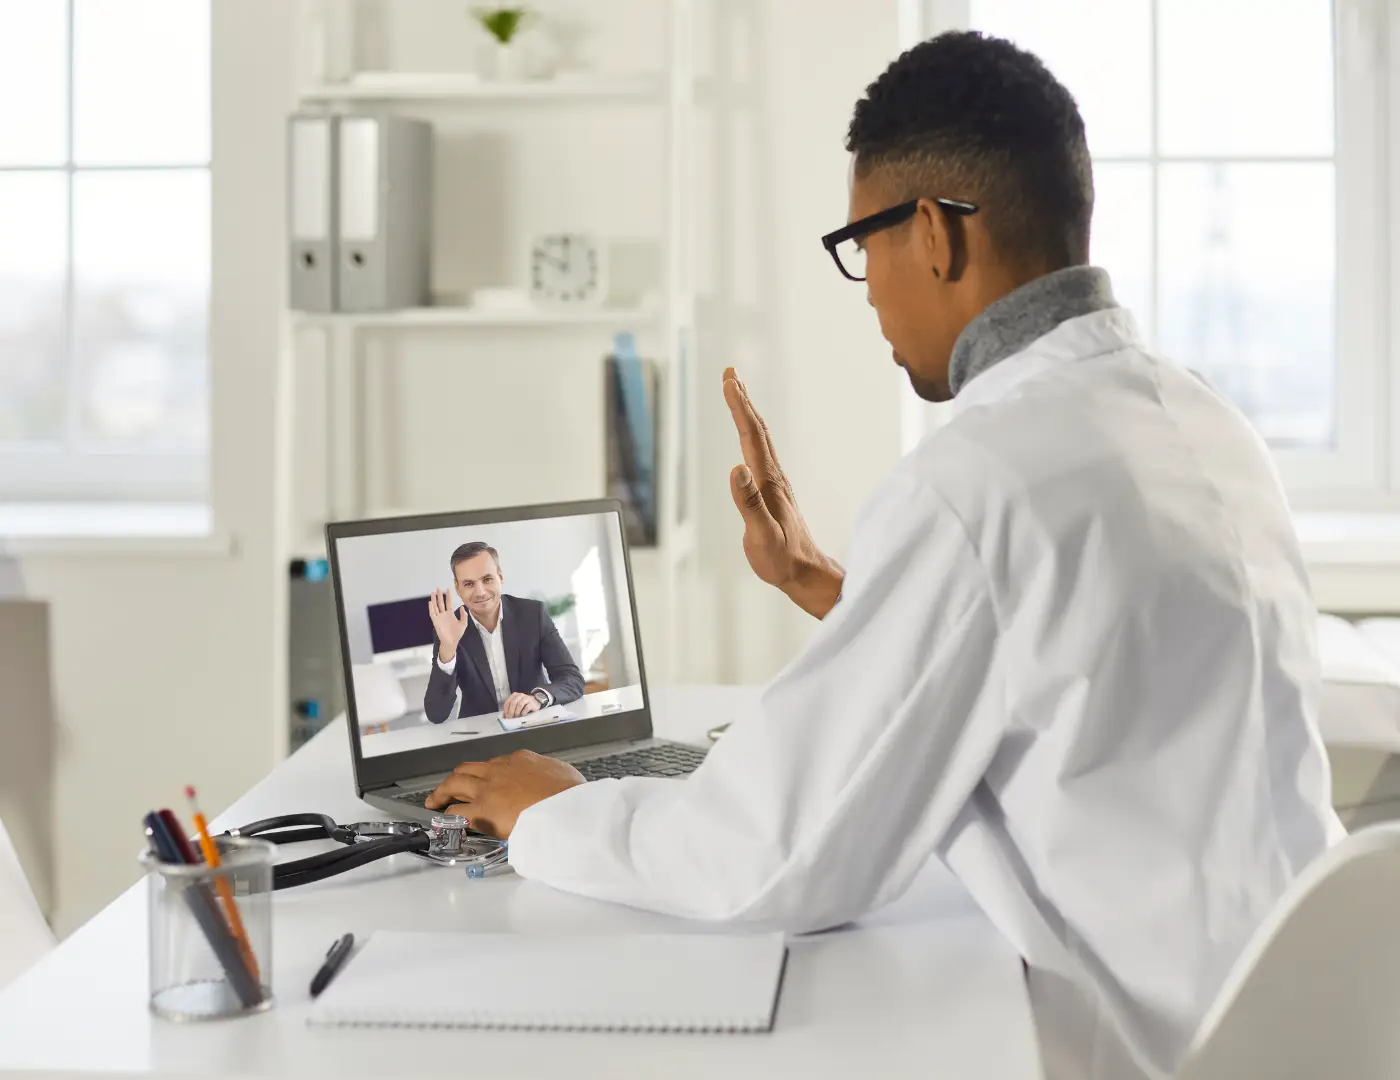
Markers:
{"x": 379, "y": 771}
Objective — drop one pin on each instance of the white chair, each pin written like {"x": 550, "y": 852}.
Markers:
{"x": 24, "y": 935}
{"x": 379, "y": 695}
{"x": 1317, "y": 992}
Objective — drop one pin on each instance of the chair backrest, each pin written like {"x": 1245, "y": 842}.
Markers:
{"x": 1317, "y": 993}
{"x": 24, "y": 935}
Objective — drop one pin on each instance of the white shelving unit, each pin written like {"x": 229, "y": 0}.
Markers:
{"x": 357, "y": 346}
{"x": 430, "y": 318}
{"x": 389, "y": 86}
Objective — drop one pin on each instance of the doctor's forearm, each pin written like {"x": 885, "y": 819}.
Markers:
{"x": 817, "y": 587}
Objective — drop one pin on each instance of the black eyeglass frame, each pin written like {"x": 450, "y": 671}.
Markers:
{"x": 884, "y": 219}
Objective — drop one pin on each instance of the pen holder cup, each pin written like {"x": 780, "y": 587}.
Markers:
{"x": 211, "y": 933}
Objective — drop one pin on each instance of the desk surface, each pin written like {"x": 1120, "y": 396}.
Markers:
{"x": 415, "y": 731}
{"x": 924, "y": 987}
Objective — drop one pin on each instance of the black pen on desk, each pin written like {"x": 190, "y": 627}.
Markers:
{"x": 335, "y": 960}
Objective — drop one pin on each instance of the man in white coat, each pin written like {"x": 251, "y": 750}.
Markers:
{"x": 1072, "y": 652}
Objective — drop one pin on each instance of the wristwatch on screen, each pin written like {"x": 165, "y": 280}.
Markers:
{"x": 543, "y": 697}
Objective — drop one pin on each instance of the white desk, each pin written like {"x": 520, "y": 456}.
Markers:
{"x": 923, "y": 988}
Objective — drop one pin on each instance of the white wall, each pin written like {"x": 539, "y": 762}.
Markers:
{"x": 787, "y": 74}
{"x": 168, "y": 665}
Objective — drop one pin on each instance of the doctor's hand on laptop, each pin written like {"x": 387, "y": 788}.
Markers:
{"x": 493, "y": 794}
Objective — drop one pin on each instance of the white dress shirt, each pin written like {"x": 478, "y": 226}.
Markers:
{"x": 495, "y": 644}
{"x": 1075, "y": 659}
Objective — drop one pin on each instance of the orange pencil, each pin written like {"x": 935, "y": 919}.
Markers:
{"x": 211, "y": 858}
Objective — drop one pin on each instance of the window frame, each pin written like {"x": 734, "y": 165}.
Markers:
{"x": 72, "y": 468}
{"x": 1362, "y": 471}
{"x": 1356, "y": 472}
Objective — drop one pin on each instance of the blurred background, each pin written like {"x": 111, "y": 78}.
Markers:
{"x": 616, "y": 200}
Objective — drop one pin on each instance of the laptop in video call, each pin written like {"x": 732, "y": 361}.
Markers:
{"x": 548, "y": 656}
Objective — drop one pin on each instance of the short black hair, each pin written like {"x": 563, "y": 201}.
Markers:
{"x": 967, "y": 116}
{"x": 471, "y": 551}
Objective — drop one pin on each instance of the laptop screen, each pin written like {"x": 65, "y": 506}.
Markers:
{"x": 459, "y": 633}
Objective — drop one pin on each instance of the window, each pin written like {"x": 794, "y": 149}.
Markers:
{"x": 1238, "y": 200}
{"x": 104, "y": 249}
{"x": 590, "y": 609}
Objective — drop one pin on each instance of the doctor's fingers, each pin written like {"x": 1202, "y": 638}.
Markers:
{"x": 754, "y": 440}
{"x": 456, "y": 788}
{"x": 749, "y": 500}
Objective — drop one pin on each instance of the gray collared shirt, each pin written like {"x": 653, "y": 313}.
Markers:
{"x": 1024, "y": 315}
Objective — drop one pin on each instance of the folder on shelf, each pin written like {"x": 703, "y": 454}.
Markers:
{"x": 311, "y": 195}
{"x": 632, "y": 395}
{"x": 384, "y": 202}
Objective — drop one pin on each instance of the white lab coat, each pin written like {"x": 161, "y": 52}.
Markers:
{"x": 1075, "y": 659}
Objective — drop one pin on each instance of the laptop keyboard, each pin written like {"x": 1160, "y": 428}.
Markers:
{"x": 414, "y": 799}
{"x": 666, "y": 759}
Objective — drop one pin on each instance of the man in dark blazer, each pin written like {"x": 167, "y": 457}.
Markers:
{"x": 502, "y": 652}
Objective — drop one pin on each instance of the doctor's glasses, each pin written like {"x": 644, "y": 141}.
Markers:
{"x": 847, "y": 244}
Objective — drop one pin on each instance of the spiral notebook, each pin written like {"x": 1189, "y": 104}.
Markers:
{"x": 632, "y": 982}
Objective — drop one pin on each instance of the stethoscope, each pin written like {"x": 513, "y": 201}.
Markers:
{"x": 446, "y": 841}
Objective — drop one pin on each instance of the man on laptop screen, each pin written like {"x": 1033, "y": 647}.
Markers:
{"x": 496, "y": 648}
{"x": 539, "y": 637}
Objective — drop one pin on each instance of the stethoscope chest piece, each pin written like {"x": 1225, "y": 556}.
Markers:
{"x": 449, "y": 843}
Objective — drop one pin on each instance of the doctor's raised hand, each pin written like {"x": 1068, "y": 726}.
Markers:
{"x": 776, "y": 541}
{"x": 449, "y": 627}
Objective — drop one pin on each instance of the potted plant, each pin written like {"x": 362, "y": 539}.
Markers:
{"x": 503, "y": 24}
{"x": 560, "y": 609}
{"x": 560, "y": 605}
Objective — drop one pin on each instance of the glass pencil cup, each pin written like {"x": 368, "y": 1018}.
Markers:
{"x": 211, "y": 932}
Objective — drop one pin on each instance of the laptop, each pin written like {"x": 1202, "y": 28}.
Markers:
{"x": 558, "y": 579}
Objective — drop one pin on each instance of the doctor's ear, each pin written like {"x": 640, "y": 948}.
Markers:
{"x": 940, "y": 242}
